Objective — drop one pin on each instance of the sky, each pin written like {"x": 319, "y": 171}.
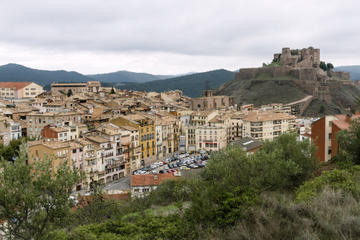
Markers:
{"x": 173, "y": 36}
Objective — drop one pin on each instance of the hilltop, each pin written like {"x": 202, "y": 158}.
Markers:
{"x": 126, "y": 76}
{"x": 18, "y": 73}
{"x": 192, "y": 85}
{"x": 292, "y": 75}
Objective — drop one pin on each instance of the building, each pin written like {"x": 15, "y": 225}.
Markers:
{"x": 267, "y": 125}
{"x": 65, "y": 133}
{"x": 146, "y": 128}
{"x": 19, "y": 90}
{"x": 37, "y": 121}
{"x": 91, "y": 86}
{"x": 211, "y": 136}
{"x": 141, "y": 185}
{"x": 210, "y": 102}
{"x": 58, "y": 152}
{"x": 324, "y": 131}
{"x": 248, "y": 145}
{"x": 9, "y": 130}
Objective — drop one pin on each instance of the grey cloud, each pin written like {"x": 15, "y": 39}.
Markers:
{"x": 196, "y": 28}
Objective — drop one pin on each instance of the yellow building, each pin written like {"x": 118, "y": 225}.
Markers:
{"x": 59, "y": 152}
{"x": 146, "y": 128}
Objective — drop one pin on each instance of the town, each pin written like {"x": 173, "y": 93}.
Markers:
{"x": 113, "y": 135}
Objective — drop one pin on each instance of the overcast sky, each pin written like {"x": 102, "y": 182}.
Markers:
{"x": 170, "y": 37}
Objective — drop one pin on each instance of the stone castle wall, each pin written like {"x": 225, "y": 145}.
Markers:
{"x": 341, "y": 75}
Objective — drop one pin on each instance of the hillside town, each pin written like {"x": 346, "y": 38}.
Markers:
{"x": 111, "y": 134}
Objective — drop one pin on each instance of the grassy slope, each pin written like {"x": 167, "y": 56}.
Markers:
{"x": 262, "y": 91}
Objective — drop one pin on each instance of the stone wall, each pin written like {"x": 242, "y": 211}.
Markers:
{"x": 341, "y": 75}
{"x": 211, "y": 103}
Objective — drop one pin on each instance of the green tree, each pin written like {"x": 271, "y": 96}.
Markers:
{"x": 34, "y": 197}
{"x": 335, "y": 179}
{"x": 96, "y": 208}
{"x": 323, "y": 66}
{"x": 329, "y": 66}
{"x": 322, "y": 109}
{"x": 69, "y": 93}
{"x": 112, "y": 90}
{"x": 349, "y": 143}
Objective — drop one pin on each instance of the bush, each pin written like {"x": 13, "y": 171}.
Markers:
{"x": 335, "y": 179}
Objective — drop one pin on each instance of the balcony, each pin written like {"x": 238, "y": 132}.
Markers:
{"x": 277, "y": 133}
{"x": 276, "y": 122}
{"x": 256, "y": 124}
{"x": 259, "y": 129}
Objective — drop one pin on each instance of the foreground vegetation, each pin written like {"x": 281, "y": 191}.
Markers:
{"x": 277, "y": 193}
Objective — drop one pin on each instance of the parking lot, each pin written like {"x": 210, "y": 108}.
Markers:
{"x": 176, "y": 163}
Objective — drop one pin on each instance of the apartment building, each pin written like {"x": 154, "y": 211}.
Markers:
{"x": 111, "y": 157}
{"x": 37, "y": 121}
{"x": 58, "y": 152}
{"x": 167, "y": 136}
{"x": 267, "y": 125}
{"x": 9, "y": 130}
{"x": 146, "y": 128}
{"x": 211, "y": 136}
{"x": 19, "y": 90}
{"x": 234, "y": 124}
{"x": 192, "y": 122}
{"x": 65, "y": 133}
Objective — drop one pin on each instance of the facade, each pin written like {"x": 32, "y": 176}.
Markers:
{"x": 41, "y": 150}
{"x": 37, "y": 121}
{"x": 146, "y": 128}
{"x": 19, "y": 90}
{"x": 267, "y": 125}
{"x": 210, "y": 102}
{"x": 91, "y": 86}
{"x": 9, "y": 130}
{"x": 324, "y": 131}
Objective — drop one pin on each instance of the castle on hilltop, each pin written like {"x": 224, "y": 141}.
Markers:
{"x": 304, "y": 58}
{"x": 302, "y": 67}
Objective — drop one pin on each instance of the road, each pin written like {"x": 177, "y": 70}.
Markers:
{"x": 300, "y": 101}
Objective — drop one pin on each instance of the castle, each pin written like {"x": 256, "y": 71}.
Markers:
{"x": 302, "y": 66}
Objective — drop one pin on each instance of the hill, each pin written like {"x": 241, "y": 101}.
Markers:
{"x": 192, "y": 85}
{"x": 353, "y": 70}
{"x": 18, "y": 73}
{"x": 126, "y": 76}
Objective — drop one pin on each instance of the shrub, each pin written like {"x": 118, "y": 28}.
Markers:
{"x": 335, "y": 179}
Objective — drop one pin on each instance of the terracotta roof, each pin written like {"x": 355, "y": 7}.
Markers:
{"x": 267, "y": 116}
{"x": 16, "y": 85}
{"x": 343, "y": 121}
{"x": 150, "y": 179}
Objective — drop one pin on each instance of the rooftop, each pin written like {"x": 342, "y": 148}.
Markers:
{"x": 150, "y": 179}
{"x": 16, "y": 85}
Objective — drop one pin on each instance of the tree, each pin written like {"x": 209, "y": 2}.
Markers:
{"x": 323, "y": 66}
{"x": 330, "y": 66}
{"x": 33, "y": 197}
{"x": 322, "y": 109}
{"x": 349, "y": 143}
{"x": 69, "y": 93}
{"x": 112, "y": 90}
